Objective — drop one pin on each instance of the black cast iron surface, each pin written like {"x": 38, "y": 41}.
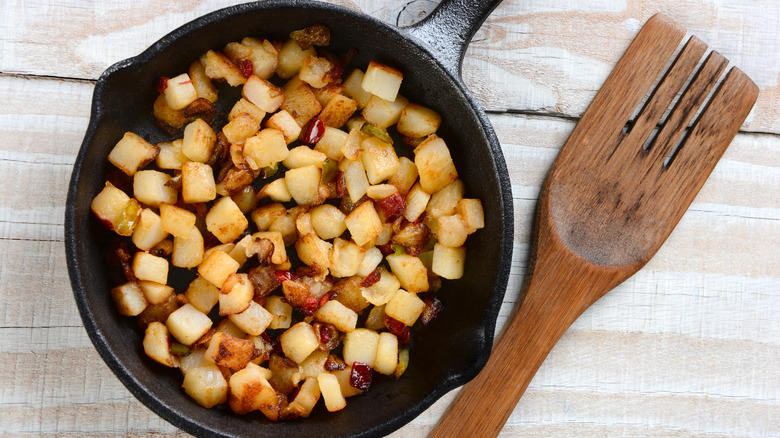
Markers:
{"x": 445, "y": 354}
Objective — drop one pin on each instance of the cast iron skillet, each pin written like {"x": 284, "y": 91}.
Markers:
{"x": 445, "y": 354}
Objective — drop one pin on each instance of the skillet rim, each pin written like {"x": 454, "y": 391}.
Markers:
{"x": 75, "y": 269}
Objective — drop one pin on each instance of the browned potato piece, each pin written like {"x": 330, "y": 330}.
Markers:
{"x": 202, "y": 82}
{"x": 132, "y": 153}
{"x": 300, "y": 102}
{"x": 382, "y": 80}
{"x": 434, "y": 163}
{"x": 220, "y": 67}
{"x": 338, "y": 110}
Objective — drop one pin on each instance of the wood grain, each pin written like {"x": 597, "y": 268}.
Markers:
{"x": 607, "y": 206}
{"x": 683, "y": 348}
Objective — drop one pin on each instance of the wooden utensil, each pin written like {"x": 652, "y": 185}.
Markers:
{"x": 610, "y": 200}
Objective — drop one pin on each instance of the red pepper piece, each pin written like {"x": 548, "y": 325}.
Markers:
{"x": 360, "y": 377}
{"x": 283, "y": 275}
{"x": 162, "y": 84}
{"x": 246, "y": 67}
{"x": 399, "y": 329}
{"x": 393, "y": 206}
{"x": 312, "y": 132}
{"x": 371, "y": 278}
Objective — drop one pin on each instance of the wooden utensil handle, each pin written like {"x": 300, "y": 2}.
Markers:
{"x": 558, "y": 288}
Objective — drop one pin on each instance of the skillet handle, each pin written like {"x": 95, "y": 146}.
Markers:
{"x": 447, "y": 30}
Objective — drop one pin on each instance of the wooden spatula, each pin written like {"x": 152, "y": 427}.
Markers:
{"x": 612, "y": 197}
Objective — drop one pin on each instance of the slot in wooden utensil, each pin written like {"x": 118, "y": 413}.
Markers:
{"x": 612, "y": 197}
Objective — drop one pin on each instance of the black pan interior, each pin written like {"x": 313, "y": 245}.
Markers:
{"x": 444, "y": 355}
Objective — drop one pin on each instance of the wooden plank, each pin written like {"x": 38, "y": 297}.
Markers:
{"x": 547, "y": 57}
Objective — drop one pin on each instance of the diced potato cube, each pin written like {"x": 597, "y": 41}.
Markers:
{"x": 193, "y": 360}
{"x": 405, "y": 307}
{"x": 254, "y": 320}
{"x": 244, "y": 106}
{"x": 326, "y": 93}
{"x": 382, "y": 80}
{"x": 279, "y": 255}
{"x": 338, "y": 110}
{"x": 353, "y": 87}
{"x": 132, "y": 153}
{"x": 383, "y": 290}
{"x": 236, "y": 294}
{"x": 156, "y": 344}
{"x": 303, "y": 184}
{"x": 176, "y": 220}
{"x": 229, "y": 352}
{"x": 263, "y": 94}
{"x": 109, "y": 206}
{"x": 443, "y": 202}
{"x": 434, "y": 164}
{"x": 202, "y": 294}
{"x": 354, "y": 178}
{"x": 188, "y": 251}
{"x": 225, "y": 220}
{"x": 285, "y": 123}
{"x": 410, "y": 271}
{"x": 384, "y": 113}
{"x": 379, "y": 160}
{"x": 218, "y": 66}
{"x": 306, "y": 399}
{"x": 180, "y": 92}
{"x": 381, "y": 191}
{"x": 150, "y": 267}
{"x": 332, "y": 143}
{"x": 416, "y": 202}
{"x": 129, "y": 299}
{"x": 371, "y": 260}
{"x": 170, "y": 156}
{"x": 470, "y": 211}
{"x": 229, "y": 327}
{"x": 299, "y": 341}
{"x": 312, "y": 366}
{"x": 149, "y": 187}
{"x": 316, "y": 71}
{"x": 418, "y": 121}
{"x": 264, "y": 57}
{"x": 300, "y": 101}
{"x": 206, "y": 385}
{"x": 241, "y": 128}
{"x": 286, "y": 226}
{"x": 353, "y": 146}
{"x": 155, "y": 293}
{"x": 347, "y": 292}
{"x": 201, "y": 82}
{"x": 333, "y": 312}
{"x": 217, "y": 267}
{"x": 384, "y": 237}
{"x": 386, "y": 353}
{"x": 360, "y": 346}
{"x": 266, "y": 148}
{"x": 313, "y": 251}
{"x": 291, "y": 57}
{"x": 276, "y": 190}
{"x": 250, "y": 391}
{"x": 331, "y": 392}
{"x": 363, "y": 223}
{"x": 452, "y": 231}
{"x": 197, "y": 182}
{"x": 345, "y": 258}
{"x": 328, "y": 221}
{"x": 148, "y": 231}
{"x": 187, "y": 324}
{"x": 448, "y": 262}
{"x": 264, "y": 215}
{"x": 280, "y": 311}
{"x": 198, "y": 142}
{"x": 303, "y": 156}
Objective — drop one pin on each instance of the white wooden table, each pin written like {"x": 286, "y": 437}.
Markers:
{"x": 688, "y": 347}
